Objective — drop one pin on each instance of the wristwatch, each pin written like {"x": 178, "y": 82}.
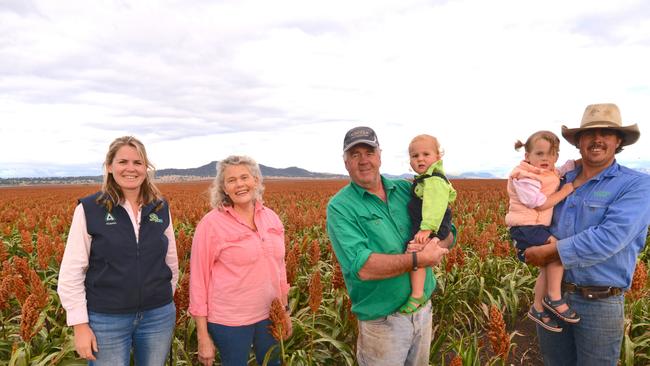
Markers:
{"x": 414, "y": 255}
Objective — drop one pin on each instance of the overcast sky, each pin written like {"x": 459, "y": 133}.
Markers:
{"x": 282, "y": 81}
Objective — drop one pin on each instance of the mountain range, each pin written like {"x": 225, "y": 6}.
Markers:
{"x": 206, "y": 171}
{"x": 209, "y": 170}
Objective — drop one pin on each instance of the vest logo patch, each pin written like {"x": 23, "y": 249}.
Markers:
{"x": 154, "y": 218}
{"x": 109, "y": 219}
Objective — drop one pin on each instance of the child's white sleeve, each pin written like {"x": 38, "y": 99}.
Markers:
{"x": 567, "y": 167}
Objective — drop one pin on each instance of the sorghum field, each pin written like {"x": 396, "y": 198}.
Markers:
{"x": 479, "y": 306}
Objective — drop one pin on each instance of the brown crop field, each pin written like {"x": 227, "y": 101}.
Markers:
{"x": 479, "y": 306}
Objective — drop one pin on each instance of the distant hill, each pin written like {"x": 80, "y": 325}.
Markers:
{"x": 469, "y": 175}
{"x": 477, "y": 175}
{"x": 206, "y": 171}
{"x": 210, "y": 170}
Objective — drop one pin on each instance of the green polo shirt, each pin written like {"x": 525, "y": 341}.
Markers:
{"x": 360, "y": 223}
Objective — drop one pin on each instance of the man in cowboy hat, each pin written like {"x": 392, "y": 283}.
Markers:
{"x": 598, "y": 233}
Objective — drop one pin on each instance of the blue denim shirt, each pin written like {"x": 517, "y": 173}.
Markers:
{"x": 602, "y": 227}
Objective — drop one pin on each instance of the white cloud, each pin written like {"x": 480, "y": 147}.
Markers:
{"x": 282, "y": 81}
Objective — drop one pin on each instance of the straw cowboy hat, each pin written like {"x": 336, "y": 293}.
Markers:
{"x": 607, "y": 116}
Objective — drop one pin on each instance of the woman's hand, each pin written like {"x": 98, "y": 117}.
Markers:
{"x": 207, "y": 350}
{"x": 85, "y": 342}
{"x": 288, "y": 327}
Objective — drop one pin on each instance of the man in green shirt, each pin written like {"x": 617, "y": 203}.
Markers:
{"x": 368, "y": 224}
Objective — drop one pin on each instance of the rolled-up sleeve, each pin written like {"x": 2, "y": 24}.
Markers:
{"x": 349, "y": 243}
{"x": 200, "y": 269}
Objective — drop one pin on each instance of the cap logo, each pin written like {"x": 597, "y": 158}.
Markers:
{"x": 360, "y": 133}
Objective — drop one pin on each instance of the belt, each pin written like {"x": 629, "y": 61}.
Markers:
{"x": 591, "y": 292}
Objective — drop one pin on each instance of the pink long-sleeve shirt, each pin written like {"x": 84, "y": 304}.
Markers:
{"x": 71, "y": 288}
{"x": 529, "y": 190}
{"x": 236, "y": 272}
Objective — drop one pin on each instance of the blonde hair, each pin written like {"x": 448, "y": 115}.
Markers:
{"x": 111, "y": 191}
{"x": 432, "y": 140}
{"x": 218, "y": 197}
{"x": 544, "y": 135}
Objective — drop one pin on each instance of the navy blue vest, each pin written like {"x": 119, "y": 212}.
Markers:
{"x": 125, "y": 275}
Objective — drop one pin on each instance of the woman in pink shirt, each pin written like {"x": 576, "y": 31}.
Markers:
{"x": 237, "y": 268}
{"x": 533, "y": 191}
{"x": 119, "y": 268}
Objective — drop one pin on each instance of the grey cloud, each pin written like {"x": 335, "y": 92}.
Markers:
{"x": 317, "y": 27}
{"x": 22, "y": 170}
{"x": 19, "y": 7}
{"x": 605, "y": 27}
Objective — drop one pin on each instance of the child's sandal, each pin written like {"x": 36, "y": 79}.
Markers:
{"x": 568, "y": 315}
{"x": 413, "y": 304}
{"x": 539, "y": 316}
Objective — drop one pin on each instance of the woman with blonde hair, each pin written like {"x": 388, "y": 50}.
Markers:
{"x": 237, "y": 268}
{"x": 120, "y": 268}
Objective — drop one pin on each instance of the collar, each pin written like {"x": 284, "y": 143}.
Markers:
{"x": 611, "y": 171}
{"x": 258, "y": 207}
{"x": 389, "y": 186}
{"x": 435, "y": 167}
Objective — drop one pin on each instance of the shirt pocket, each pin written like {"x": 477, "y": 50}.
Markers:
{"x": 593, "y": 213}
{"x": 240, "y": 249}
{"x": 378, "y": 233}
{"x": 275, "y": 242}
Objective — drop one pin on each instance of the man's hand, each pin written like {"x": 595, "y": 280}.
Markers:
{"x": 380, "y": 266}
{"x": 431, "y": 254}
{"x": 415, "y": 246}
{"x": 543, "y": 254}
{"x": 85, "y": 342}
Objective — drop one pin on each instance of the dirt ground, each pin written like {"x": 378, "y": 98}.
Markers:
{"x": 527, "y": 351}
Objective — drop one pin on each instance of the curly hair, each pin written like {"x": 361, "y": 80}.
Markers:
{"x": 218, "y": 197}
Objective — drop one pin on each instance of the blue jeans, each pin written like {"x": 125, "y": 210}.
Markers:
{"x": 594, "y": 341}
{"x": 148, "y": 332}
{"x": 397, "y": 339}
{"x": 234, "y": 343}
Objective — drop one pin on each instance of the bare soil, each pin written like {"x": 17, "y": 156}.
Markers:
{"x": 527, "y": 350}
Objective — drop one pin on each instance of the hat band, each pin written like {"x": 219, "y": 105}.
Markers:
{"x": 604, "y": 124}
